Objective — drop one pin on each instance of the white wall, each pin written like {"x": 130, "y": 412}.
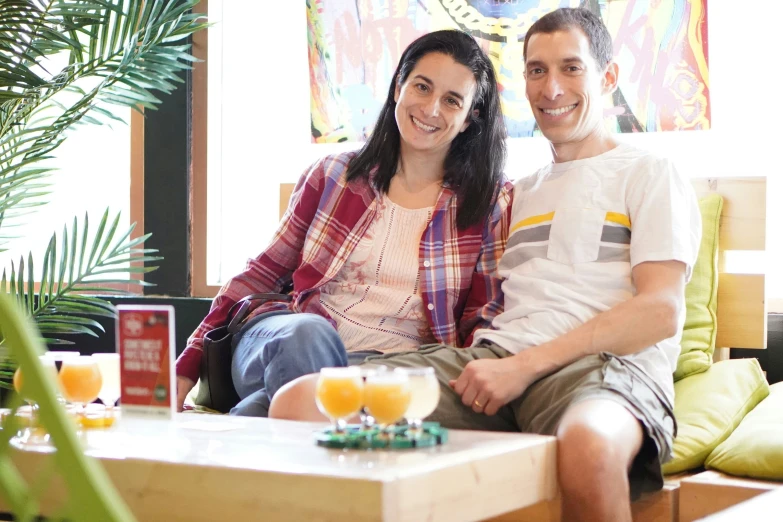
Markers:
{"x": 264, "y": 112}
{"x": 270, "y": 141}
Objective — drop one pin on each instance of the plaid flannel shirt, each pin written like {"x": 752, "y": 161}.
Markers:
{"x": 326, "y": 218}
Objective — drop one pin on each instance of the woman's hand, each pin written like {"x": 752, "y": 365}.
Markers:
{"x": 184, "y": 385}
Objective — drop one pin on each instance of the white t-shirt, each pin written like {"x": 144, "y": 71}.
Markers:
{"x": 577, "y": 230}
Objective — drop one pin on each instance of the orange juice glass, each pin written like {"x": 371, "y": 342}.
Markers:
{"x": 425, "y": 395}
{"x": 387, "y": 396}
{"x": 339, "y": 394}
{"x": 31, "y": 435}
{"x": 18, "y": 381}
{"x": 80, "y": 379}
{"x": 49, "y": 367}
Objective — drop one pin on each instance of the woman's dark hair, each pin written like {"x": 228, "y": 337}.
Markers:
{"x": 474, "y": 164}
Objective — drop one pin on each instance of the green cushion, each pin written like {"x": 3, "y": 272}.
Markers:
{"x": 708, "y": 406}
{"x": 701, "y": 296}
{"x": 755, "y": 448}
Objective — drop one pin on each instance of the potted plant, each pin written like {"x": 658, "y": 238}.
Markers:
{"x": 112, "y": 52}
{"x": 117, "y": 52}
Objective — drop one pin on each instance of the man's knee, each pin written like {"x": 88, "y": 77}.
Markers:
{"x": 296, "y": 400}
{"x": 580, "y": 445}
{"x": 597, "y": 439}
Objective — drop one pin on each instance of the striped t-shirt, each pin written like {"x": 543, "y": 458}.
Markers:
{"x": 577, "y": 230}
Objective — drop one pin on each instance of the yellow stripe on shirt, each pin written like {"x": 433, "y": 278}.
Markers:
{"x": 620, "y": 219}
{"x": 612, "y": 217}
{"x": 533, "y": 220}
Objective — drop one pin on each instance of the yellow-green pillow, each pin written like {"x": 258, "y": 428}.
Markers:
{"x": 708, "y": 406}
{"x": 755, "y": 448}
{"x": 701, "y": 296}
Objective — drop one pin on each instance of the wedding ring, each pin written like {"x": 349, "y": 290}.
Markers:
{"x": 477, "y": 404}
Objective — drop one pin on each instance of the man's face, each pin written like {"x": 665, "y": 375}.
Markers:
{"x": 565, "y": 86}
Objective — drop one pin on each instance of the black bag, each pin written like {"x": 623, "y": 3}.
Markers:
{"x": 216, "y": 387}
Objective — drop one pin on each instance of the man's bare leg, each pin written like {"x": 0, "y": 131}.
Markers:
{"x": 597, "y": 443}
{"x": 296, "y": 401}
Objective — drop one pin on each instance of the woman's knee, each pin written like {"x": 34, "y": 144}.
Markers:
{"x": 308, "y": 344}
{"x": 309, "y": 328}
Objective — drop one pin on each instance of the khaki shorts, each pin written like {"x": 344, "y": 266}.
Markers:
{"x": 544, "y": 403}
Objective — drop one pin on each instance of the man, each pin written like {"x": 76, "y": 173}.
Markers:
{"x": 602, "y": 243}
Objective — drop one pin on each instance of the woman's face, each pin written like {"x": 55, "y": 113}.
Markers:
{"x": 434, "y": 102}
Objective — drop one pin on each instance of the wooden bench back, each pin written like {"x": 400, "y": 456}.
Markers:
{"x": 742, "y": 310}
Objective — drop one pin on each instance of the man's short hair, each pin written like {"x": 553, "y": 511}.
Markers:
{"x": 567, "y": 18}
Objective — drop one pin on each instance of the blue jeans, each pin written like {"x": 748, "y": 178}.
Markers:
{"x": 275, "y": 348}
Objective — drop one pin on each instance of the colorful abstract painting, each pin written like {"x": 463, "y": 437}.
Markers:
{"x": 354, "y": 47}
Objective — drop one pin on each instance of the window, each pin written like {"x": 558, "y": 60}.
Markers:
{"x": 94, "y": 172}
{"x": 257, "y": 132}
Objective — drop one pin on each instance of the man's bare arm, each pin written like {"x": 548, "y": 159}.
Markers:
{"x": 642, "y": 321}
{"x": 648, "y": 318}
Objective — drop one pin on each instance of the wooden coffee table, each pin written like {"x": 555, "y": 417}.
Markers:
{"x": 205, "y": 467}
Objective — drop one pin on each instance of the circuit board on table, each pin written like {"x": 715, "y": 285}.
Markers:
{"x": 357, "y": 436}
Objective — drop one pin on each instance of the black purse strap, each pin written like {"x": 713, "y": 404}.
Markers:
{"x": 250, "y": 303}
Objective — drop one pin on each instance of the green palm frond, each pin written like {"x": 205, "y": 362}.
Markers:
{"x": 80, "y": 265}
{"x": 117, "y": 52}
{"x": 62, "y": 63}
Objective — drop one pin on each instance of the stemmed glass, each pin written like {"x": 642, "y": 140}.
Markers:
{"x": 367, "y": 420}
{"x": 387, "y": 396}
{"x": 60, "y": 356}
{"x": 338, "y": 394}
{"x": 425, "y": 395}
{"x": 80, "y": 379}
{"x": 30, "y": 435}
{"x": 109, "y": 366}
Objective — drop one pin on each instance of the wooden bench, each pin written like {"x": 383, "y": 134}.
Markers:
{"x": 761, "y": 508}
{"x": 661, "y": 506}
{"x": 710, "y": 492}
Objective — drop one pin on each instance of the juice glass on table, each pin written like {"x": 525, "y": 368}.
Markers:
{"x": 387, "y": 396}
{"x": 339, "y": 394}
{"x": 425, "y": 395}
{"x": 80, "y": 380}
{"x": 367, "y": 420}
{"x": 29, "y": 434}
{"x": 19, "y": 386}
{"x": 109, "y": 366}
{"x": 57, "y": 357}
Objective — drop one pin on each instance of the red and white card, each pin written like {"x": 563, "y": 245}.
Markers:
{"x": 145, "y": 342}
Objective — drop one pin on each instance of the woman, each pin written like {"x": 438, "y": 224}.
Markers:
{"x": 388, "y": 248}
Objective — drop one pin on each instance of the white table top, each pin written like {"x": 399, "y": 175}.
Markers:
{"x": 209, "y": 467}
{"x": 284, "y": 447}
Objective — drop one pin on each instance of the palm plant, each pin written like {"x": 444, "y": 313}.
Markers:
{"x": 90, "y": 493}
{"x": 116, "y": 52}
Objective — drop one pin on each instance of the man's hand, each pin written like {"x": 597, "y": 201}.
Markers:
{"x": 184, "y": 385}
{"x": 488, "y": 384}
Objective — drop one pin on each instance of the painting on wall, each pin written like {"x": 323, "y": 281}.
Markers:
{"x": 354, "y": 47}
